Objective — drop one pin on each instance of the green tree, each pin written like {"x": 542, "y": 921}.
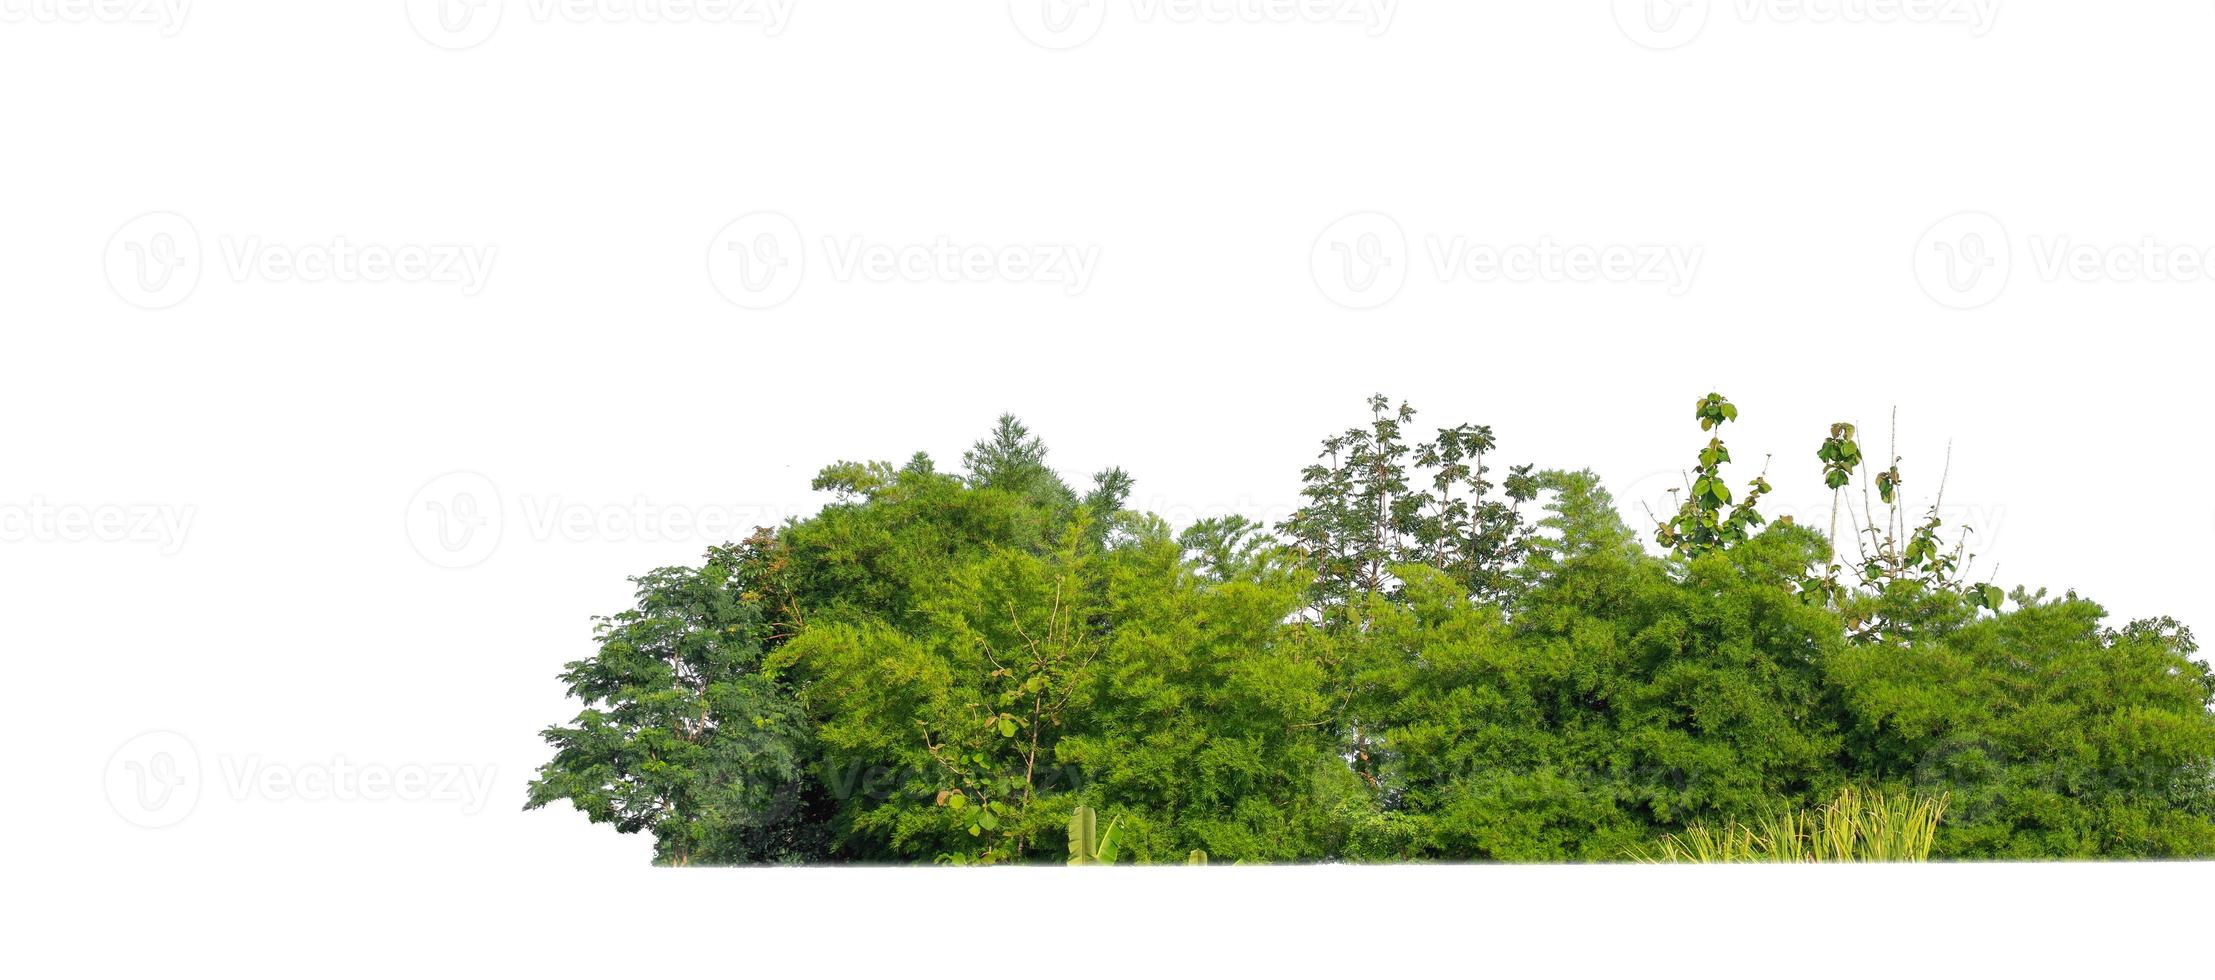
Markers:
{"x": 682, "y": 735}
{"x": 952, "y": 667}
{"x": 1210, "y": 724}
{"x": 2054, "y": 737}
{"x": 1373, "y": 500}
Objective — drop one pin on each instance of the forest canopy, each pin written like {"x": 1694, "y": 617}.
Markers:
{"x": 1435, "y": 658}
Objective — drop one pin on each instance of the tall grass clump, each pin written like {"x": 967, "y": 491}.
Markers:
{"x": 1860, "y": 825}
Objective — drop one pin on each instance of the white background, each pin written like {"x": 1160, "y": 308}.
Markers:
{"x": 301, "y": 623}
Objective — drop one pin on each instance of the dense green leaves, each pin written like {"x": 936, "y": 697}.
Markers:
{"x": 2055, "y": 738}
{"x": 1367, "y": 509}
{"x": 974, "y": 668}
{"x": 1702, "y": 524}
{"x": 682, "y": 735}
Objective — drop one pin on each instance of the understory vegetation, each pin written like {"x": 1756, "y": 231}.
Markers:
{"x": 1436, "y": 658}
{"x": 1855, "y": 827}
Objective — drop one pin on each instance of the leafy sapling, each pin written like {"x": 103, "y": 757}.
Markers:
{"x": 1709, "y": 520}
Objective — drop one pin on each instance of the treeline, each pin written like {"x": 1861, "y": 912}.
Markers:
{"x": 1433, "y": 659}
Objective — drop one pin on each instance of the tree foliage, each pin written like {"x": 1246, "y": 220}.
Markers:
{"x": 1434, "y": 658}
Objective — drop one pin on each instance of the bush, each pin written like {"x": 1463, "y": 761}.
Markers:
{"x": 1430, "y": 661}
{"x": 1857, "y": 826}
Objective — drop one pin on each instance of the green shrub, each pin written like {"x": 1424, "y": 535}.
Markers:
{"x": 1857, "y": 826}
{"x": 1432, "y": 660}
